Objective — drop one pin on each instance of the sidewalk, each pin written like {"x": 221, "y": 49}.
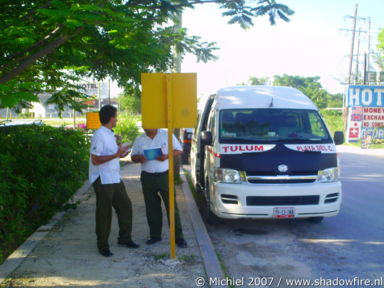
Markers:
{"x": 358, "y": 150}
{"x": 68, "y": 257}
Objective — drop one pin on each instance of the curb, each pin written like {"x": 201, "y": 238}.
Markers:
{"x": 207, "y": 251}
{"x": 24, "y": 250}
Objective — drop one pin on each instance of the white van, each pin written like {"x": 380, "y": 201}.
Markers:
{"x": 265, "y": 152}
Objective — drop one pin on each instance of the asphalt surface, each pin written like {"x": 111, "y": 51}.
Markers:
{"x": 347, "y": 246}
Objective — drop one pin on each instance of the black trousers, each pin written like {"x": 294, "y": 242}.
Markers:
{"x": 155, "y": 188}
{"x": 108, "y": 196}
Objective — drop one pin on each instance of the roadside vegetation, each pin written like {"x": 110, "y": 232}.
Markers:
{"x": 41, "y": 168}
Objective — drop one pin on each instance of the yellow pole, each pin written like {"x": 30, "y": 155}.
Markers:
{"x": 170, "y": 173}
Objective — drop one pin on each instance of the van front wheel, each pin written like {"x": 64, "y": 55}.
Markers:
{"x": 209, "y": 215}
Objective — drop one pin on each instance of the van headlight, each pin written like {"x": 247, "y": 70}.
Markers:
{"x": 328, "y": 175}
{"x": 229, "y": 176}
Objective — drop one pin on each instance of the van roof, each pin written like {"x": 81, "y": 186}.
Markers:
{"x": 239, "y": 97}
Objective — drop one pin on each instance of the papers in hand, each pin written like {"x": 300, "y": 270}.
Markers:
{"x": 127, "y": 148}
{"x": 152, "y": 154}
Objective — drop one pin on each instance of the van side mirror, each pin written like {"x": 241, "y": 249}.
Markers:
{"x": 338, "y": 137}
{"x": 206, "y": 137}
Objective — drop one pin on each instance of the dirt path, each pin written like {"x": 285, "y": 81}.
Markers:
{"x": 68, "y": 257}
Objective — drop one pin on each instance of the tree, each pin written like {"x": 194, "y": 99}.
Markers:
{"x": 378, "y": 58}
{"x": 48, "y": 45}
{"x": 380, "y": 44}
{"x": 311, "y": 87}
{"x": 129, "y": 101}
{"x": 257, "y": 81}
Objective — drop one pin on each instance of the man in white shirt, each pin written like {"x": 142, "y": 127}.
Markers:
{"x": 104, "y": 175}
{"x": 151, "y": 150}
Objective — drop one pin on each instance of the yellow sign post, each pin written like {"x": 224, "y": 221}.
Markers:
{"x": 169, "y": 101}
{"x": 93, "y": 120}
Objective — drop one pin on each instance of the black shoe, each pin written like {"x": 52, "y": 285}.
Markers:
{"x": 129, "y": 244}
{"x": 181, "y": 243}
{"x": 106, "y": 253}
{"x": 151, "y": 241}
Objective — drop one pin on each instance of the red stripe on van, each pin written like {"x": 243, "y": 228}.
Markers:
{"x": 210, "y": 150}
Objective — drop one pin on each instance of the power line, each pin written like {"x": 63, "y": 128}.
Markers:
{"x": 359, "y": 31}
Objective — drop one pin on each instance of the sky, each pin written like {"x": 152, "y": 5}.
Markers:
{"x": 311, "y": 44}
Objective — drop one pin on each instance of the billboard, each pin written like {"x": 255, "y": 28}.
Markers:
{"x": 366, "y": 112}
{"x": 97, "y": 90}
{"x": 365, "y": 96}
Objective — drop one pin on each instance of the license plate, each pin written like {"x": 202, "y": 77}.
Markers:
{"x": 284, "y": 212}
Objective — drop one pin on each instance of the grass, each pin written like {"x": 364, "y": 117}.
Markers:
{"x": 188, "y": 259}
{"x": 53, "y": 121}
{"x": 221, "y": 262}
{"x": 158, "y": 257}
{"x": 199, "y": 197}
{"x": 178, "y": 181}
{"x": 333, "y": 119}
{"x": 376, "y": 146}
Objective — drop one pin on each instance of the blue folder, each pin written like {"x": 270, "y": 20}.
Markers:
{"x": 152, "y": 154}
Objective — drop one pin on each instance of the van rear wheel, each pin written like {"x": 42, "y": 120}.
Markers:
{"x": 315, "y": 219}
{"x": 197, "y": 188}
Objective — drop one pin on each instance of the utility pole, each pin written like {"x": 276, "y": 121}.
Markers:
{"x": 354, "y": 32}
{"x": 349, "y": 79}
{"x": 99, "y": 94}
{"x": 357, "y": 59}
{"x": 352, "y": 46}
{"x": 369, "y": 42}
{"x": 345, "y": 110}
{"x": 365, "y": 68}
{"x": 109, "y": 91}
{"x": 177, "y": 69}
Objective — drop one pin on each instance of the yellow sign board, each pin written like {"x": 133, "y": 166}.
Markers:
{"x": 93, "y": 120}
{"x": 169, "y": 101}
{"x": 183, "y": 91}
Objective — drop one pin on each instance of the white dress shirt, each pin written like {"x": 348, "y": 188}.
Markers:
{"x": 104, "y": 144}
{"x": 144, "y": 142}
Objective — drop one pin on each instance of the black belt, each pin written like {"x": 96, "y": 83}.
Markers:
{"x": 155, "y": 174}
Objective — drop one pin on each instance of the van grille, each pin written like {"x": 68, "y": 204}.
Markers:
{"x": 281, "y": 179}
{"x": 282, "y": 200}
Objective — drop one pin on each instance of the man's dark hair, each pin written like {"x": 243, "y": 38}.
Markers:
{"x": 106, "y": 113}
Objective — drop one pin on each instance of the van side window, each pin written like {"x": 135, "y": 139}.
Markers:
{"x": 203, "y": 118}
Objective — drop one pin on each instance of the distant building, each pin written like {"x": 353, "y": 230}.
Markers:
{"x": 43, "y": 110}
{"x": 4, "y": 113}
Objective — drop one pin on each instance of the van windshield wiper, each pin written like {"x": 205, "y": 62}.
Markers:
{"x": 271, "y": 140}
{"x": 300, "y": 140}
{"x": 240, "y": 140}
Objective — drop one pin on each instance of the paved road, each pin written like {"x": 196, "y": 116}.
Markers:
{"x": 347, "y": 246}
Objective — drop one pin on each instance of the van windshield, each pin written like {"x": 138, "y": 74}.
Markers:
{"x": 272, "y": 125}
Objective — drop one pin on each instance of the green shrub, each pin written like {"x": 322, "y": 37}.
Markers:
{"x": 334, "y": 120}
{"x": 127, "y": 127}
{"x": 41, "y": 168}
